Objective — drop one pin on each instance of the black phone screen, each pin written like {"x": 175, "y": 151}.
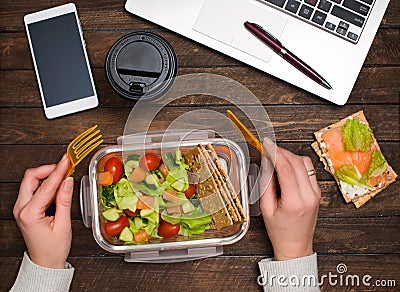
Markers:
{"x": 60, "y": 59}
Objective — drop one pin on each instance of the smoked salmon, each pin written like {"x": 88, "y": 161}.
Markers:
{"x": 339, "y": 156}
{"x": 351, "y": 154}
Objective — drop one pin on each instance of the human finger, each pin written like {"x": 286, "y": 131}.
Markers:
{"x": 62, "y": 217}
{"x": 301, "y": 172}
{"x": 30, "y": 183}
{"x": 269, "y": 199}
{"x": 284, "y": 170}
{"x": 313, "y": 178}
{"x": 48, "y": 189}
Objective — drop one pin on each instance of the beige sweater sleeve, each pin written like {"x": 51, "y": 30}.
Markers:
{"x": 297, "y": 275}
{"x": 32, "y": 277}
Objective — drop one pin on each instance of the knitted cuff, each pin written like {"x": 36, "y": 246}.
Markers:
{"x": 32, "y": 277}
{"x": 299, "y": 274}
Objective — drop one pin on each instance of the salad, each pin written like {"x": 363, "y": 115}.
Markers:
{"x": 148, "y": 197}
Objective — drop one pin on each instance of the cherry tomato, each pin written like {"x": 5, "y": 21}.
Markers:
{"x": 114, "y": 165}
{"x": 130, "y": 213}
{"x": 166, "y": 229}
{"x": 115, "y": 228}
{"x": 150, "y": 161}
{"x": 140, "y": 236}
{"x": 190, "y": 191}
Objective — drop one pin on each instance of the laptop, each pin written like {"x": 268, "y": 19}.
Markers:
{"x": 331, "y": 36}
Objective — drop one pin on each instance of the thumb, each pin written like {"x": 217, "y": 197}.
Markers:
{"x": 62, "y": 217}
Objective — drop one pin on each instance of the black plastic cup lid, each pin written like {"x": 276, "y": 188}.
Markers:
{"x": 141, "y": 64}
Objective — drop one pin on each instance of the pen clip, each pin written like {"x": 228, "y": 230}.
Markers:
{"x": 268, "y": 33}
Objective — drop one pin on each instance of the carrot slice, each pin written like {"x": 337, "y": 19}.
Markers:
{"x": 163, "y": 169}
{"x": 145, "y": 202}
{"x": 105, "y": 178}
{"x": 140, "y": 236}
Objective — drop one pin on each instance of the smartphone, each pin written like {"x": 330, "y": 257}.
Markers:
{"x": 60, "y": 60}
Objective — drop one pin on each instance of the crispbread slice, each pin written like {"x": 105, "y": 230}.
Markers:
{"x": 226, "y": 182}
{"x": 320, "y": 149}
{"x": 219, "y": 189}
{"x": 318, "y": 135}
{"x": 358, "y": 202}
{"x": 221, "y": 186}
{"x": 323, "y": 159}
{"x": 207, "y": 190}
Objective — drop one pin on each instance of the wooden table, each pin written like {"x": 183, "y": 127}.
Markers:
{"x": 366, "y": 240}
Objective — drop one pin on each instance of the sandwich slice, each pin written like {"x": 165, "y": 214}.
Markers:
{"x": 350, "y": 152}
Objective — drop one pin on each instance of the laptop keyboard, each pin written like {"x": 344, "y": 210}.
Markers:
{"x": 343, "y": 18}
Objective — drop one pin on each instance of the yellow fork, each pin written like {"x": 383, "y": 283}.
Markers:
{"x": 248, "y": 136}
{"x": 81, "y": 146}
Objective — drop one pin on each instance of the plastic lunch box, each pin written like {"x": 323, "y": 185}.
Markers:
{"x": 179, "y": 248}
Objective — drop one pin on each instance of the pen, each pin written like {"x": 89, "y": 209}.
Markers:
{"x": 278, "y": 48}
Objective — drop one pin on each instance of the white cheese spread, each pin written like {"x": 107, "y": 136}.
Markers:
{"x": 352, "y": 191}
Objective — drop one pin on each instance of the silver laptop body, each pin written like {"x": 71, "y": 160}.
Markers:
{"x": 336, "y": 53}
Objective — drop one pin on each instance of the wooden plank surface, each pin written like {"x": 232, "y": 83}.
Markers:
{"x": 332, "y": 236}
{"x": 290, "y": 122}
{"x": 95, "y": 273}
{"x": 367, "y": 240}
{"x": 374, "y": 86}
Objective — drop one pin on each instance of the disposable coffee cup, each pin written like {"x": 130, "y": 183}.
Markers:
{"x": 141, "y": 65}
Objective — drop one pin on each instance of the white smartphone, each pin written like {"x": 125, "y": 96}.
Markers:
{"x": 60, "y": 60}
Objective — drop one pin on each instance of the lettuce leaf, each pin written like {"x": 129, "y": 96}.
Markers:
{"x": 177, "y": 171}
{"x": 107, "y": 195}
{"x": 145, "y": 189}
{"x": 180, "y": 160}
{"x": 377, "y": 167}
{"x": 132, "y": 226}
{"x": 175, "y": 219}
{"x": 356, "y": 136}
{"x": 348, "y": 174}
{"x": 152, "y": 221}
{"x": 183, "y": 231}
{"x": 154, "y": 234}
{"x": 197, "y": 225}
{"x": 124, "y": 195}
{"x": 194, "y": 223}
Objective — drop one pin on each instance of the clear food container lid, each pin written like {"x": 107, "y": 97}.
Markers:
{"x": 179, "y": 248}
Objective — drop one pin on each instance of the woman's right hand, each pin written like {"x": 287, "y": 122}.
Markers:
{"x": 290, "y": 218}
